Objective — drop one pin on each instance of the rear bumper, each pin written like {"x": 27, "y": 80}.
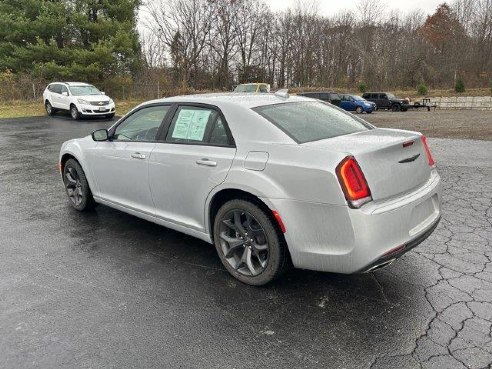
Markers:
{"x": 400, "y": 250}
{"x": 338, "y": 239}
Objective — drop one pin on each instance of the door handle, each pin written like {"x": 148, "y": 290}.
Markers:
{"x": 206, "y": 162}
{"x": 137, "y": 155}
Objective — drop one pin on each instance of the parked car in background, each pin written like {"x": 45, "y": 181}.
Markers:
{"x": 253, "y": 87}
{"x": 331, "y": 97}
{"x": 386, "y": 100}
{"x": 266, "y": 178}
{"x": 79, "y": 98}
{"x": 357, "y": 104}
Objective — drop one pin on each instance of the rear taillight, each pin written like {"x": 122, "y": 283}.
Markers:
{"x": 353, "y": 182}
{"x": 428, "y": 152}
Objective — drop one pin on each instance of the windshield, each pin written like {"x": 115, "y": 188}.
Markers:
{"x": 357, "y": 98}
{"x": 84, "y": 90}
{"x": 311, "y": 121}
{"x": 246, "y": 88}
{"x": 391, "y": 96}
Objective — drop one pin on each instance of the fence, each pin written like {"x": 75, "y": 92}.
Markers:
{"x": 464, "y": 102}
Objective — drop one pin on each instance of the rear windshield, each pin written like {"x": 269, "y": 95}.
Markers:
{"x": 311, "y": 121}
{"x": 246, "y": 88}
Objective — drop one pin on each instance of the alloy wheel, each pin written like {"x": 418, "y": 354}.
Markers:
{"x": 244, "y": 243}
{"x": 74, "y": 112}
{"x": 73, "y": 186}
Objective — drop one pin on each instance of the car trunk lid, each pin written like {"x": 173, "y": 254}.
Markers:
{"x": 393, "y": 161}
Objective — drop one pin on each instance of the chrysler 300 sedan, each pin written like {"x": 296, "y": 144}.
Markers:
{"x": 271, "y": 180}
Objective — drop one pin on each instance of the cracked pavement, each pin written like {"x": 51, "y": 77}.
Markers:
{"x": 105, "y": 289}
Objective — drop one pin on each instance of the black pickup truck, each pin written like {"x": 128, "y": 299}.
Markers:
{"x": 386, "y": 100}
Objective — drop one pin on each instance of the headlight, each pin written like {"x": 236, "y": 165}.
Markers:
{"x": 111, "y": 101}
{"x": 84, "y": 102}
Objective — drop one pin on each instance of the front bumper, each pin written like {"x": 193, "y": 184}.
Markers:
{"x": 96, "y": 110}
{"x": 338, "y": 239}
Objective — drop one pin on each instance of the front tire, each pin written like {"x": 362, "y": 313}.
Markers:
{"x": 77, "y": 187}
{"x": 110, "y": 116}
{"x": 74, "y": 112}
{"x": 359, "y": 110}
{"x": 249, "y": 244}
{"x": 50, "y": 110}
{"x": 395, "y": 107}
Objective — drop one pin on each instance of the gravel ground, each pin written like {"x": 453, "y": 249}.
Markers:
{"x": 107, "y": 290}
{"x": 468, "y": 124}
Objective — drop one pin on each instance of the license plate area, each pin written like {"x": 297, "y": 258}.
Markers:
{"x": 423, "y": 215}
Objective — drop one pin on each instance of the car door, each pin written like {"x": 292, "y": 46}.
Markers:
{"x": 64, "y": 99}
{"x": 383, "y": 101}
{"x": 195, "y": 158}
{"x": 55, "y": 100}
{"x": 120, "y": 165}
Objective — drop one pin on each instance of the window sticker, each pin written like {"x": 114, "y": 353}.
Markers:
{"x": 191, "y": 124}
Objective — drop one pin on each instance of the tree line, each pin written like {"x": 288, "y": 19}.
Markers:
{"x": 213, "y": 44}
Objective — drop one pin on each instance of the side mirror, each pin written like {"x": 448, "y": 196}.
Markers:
{"x": 100, "y": 135}
{"x": 65, "y": 93}
{"x": 103, "y": 93}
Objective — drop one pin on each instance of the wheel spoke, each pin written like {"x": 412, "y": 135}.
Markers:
{"x": 70, "y": 178}
{"x": 260, "y": 247}
{"x": 238, "y": 223}
{"x": 249, "y": 262}
{"x": 235, "y": 244}
{"x": 231, "y": 225}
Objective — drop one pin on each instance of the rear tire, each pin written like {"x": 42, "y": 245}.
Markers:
{"x": 77, "y": 186}
{"x": 249, "y": 244}
{"x": 74, "y": 112}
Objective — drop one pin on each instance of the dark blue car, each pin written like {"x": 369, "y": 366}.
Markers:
{"x": 357, "y": 104}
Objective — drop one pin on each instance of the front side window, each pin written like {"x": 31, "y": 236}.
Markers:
{"x": 311, "y": 121}
{"x": 56, "y": 88}
{"x": 142, "y": 125}
{"x": 64, "y": 89}
{"x": 84, "y": 90}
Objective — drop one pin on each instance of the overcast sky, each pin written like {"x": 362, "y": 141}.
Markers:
{"x": 330, "y": 7}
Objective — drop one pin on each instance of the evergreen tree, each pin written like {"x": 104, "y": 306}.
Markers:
{"x": 69, "y": 39}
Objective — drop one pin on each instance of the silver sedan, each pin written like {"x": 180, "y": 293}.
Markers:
{"x": 271, "y": 180}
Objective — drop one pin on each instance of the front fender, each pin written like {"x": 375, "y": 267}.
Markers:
{"x": 74, "y": 149}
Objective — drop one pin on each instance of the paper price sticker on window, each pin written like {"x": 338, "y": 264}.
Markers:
{"x": 191, "y": 124}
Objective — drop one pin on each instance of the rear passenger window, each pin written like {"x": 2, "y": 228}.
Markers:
{"x": 218, "y": 135}
{"x": 190, "y": 124}
{"x": 198, "y": 125}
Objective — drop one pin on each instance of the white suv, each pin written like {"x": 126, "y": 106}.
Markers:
{"x": 80, "y": 99}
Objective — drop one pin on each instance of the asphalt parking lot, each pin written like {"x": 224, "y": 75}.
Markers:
{"x": 106, "y": 289}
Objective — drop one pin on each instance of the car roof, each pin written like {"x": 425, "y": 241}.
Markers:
{"x": 72, "y": 83}
{"x": 252, "y": 83}
{"x": 246, "y": 100}
{"x": 319, "y": 92}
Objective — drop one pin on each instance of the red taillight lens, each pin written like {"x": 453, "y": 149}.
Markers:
{"x": 353, "y": 182}
{"x": 428, "y": 152}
